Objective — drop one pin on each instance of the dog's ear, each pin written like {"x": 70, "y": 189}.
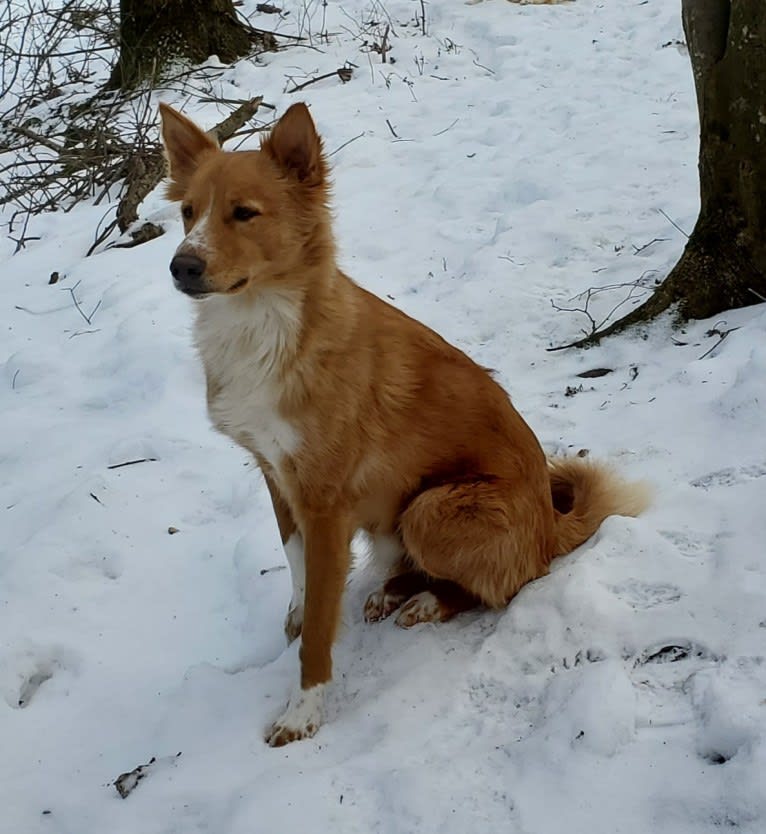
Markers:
{"x": 295, "y": 146}
{"x": 185, "y": 145}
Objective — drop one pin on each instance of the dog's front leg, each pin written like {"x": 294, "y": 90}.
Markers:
{"x": 327, "y": 540}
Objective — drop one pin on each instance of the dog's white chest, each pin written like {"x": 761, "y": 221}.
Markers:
{"x": 243, "y": 360}
{"x": 250, "y": 415}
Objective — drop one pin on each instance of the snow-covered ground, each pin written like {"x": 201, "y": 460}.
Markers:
{"x": 536, "y": 150}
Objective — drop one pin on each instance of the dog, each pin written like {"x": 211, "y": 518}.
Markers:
{"x": 358, "y": 416}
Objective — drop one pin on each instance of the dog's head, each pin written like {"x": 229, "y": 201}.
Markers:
{"x": 250, "y": 217}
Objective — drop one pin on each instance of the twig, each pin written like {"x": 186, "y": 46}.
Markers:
{"x": 449, "y": 127}
{"x": 84, "y": 332}
{"x": 583, "y": 310}
{"x": 344, "y": 73}
{"x": 672, "y": 222}
{"x": 716, "y": 332}
{"x": 102, "y": 236}
{"x": 130, "y": 463}
{"x": 476, "y": 63}
{"x": 38, "y": 312}
{"x": 71, "y": 291}
{"x": 359, "y": 136}
{"x": 264, "y": 571}
{"x": 384, "y": 47}
{"x": 36, "y": 137}
{"x": 392, "y": 129}
{"x": 639, "y": 249}
{"x": 597, "y": 328}
{"x": 237, "y": 101}
{"x": 267, "y": 32}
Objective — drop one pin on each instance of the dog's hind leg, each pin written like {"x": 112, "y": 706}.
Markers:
{"x": 394, "y": 593}
{"x": 490, "y": 536}
{"x": 424, "y": 600}
{"x": 292, "y": 542}
{"x": 440, "y": 601}
{"x": 402, "y": 582}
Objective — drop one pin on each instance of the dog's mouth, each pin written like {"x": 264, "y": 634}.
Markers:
{"x": 196, "y": 294}
{"x": 237, "y": 285}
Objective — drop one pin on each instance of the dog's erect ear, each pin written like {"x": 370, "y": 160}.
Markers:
{"x": 295, "y": 146}
{"x": 185, "y": 146}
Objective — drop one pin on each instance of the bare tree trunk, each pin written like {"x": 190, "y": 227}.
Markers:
{"x": 154, "y": 33}
{"x": 724, "y": 263}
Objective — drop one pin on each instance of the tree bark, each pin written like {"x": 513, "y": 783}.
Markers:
{"x": 155, "y": 33}
{"x": 724, "y": 263}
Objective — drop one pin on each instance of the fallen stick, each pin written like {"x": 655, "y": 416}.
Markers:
{"x": 130, "y": 463}
{"x": 344, "y": 73}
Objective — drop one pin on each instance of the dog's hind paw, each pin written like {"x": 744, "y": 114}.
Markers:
{"x": 294, "y": 623}
{"x": 424, "y": 607}
{"x": 380, "y": 605}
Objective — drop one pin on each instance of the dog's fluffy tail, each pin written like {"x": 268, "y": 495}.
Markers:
{"x": 584, "y": 494}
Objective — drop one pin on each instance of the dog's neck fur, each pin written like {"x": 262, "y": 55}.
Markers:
{"x": 265, "y": 327}
{"x": 275, "y": 326}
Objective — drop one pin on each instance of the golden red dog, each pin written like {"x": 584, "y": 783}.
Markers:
{"x": 358, "y": 416}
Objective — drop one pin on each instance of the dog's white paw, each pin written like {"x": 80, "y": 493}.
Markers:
{"x": 422, "y": 608}
{"x": 294, "y": 623}
{"x": 380, "y": 605}
{"x": 301, "y": 719}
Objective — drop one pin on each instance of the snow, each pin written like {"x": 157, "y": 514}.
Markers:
{"x": 536, "y": 148}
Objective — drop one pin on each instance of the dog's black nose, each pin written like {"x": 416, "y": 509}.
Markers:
{"x": 187, "y": 272}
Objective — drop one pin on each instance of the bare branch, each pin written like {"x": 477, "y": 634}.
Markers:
{"x": 344, "y": 73}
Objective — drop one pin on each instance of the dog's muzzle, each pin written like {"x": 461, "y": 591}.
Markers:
{"x": 188, "y": 275}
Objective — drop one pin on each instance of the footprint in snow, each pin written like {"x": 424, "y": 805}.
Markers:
{"x": 83, "y": 566}
{"x": 663, "y": 674}
{"x": 23, "y": 673}
{"x": 692, "y": 545}
{"x": 673, "y": 651}
{"x": 30, "y": 686}
{"x": 730, "y": 476}
{"x": 728, "y": 707}
{"x": 641, "y": 595}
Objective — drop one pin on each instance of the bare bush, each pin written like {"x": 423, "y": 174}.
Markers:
{"x": 64, "y": 138}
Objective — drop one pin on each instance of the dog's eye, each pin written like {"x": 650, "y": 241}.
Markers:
{"x": 244, "y": 213}
{"x": 187, "y": 212}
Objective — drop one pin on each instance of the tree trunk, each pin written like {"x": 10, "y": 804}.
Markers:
{"x": 724, "y": 263}
{"x": 155, "y": 33}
